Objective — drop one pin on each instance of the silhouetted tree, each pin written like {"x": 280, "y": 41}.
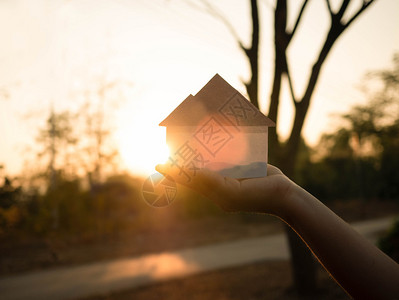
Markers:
{"x": 285, "y": 154}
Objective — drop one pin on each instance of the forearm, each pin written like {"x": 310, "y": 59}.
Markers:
{"x": 356, "y": 264}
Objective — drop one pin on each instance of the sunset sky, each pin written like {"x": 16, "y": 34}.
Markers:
{"x": 158, "y": 52}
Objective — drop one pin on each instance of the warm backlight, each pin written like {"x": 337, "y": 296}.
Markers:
{"x": 141, "y": 142}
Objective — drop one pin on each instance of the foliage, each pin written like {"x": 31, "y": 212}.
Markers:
{"x": 76, "y": 144}
{"x": 107, "y": 209}
{"x": 9, "y": 199}
{"x": 360, "y": 159}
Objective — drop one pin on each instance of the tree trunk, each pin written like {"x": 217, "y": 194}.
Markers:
{"x": 252, "y": 53}
{"x": 285, "y": 156}
{"x": 303, "y": 267}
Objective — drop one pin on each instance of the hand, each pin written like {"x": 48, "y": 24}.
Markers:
{"x": 265, "y": 194}
{"x": 356, "y": 264}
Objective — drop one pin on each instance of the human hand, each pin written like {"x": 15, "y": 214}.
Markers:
{"x": 356, "y": 264}
{"x": 264, "y": 194}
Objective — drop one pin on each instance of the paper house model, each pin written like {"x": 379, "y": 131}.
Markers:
{"x": 218, "y": 129}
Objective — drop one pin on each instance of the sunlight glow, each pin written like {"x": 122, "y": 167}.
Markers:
{"x": 142, "y": 143}
{"x": 149, "y": 267}
{"x": 142, "y": 150}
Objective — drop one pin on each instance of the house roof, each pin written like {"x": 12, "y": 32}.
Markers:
{"x": 220, "y": 100}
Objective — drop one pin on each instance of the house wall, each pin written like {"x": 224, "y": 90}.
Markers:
{"x": 236, "y": 152}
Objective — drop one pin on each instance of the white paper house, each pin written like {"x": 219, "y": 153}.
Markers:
{"x": 218, "y": 129}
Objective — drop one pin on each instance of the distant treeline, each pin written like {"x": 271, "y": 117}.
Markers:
{"x": 102, "y": 210}
{"x": 359, "y": 159}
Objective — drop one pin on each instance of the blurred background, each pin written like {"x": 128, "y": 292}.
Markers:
{"x": 84, "y": 85}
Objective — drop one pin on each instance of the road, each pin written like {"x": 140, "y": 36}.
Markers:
{"x": 104, "y": 277}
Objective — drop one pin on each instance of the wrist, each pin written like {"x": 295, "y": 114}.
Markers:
{"x": 288, "y": 202}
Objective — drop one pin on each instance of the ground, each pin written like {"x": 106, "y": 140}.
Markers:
{"x": 266, "y": 280}
{"x": 271, "y": 280}
{"x": 34, "y": 253}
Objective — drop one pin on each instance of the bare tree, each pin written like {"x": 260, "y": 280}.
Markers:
{"x": 96, "y": 115}
{"x": 285, "y": 154}
{"x": 56, "y": 138}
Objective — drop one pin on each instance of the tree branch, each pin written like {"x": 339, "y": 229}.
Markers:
{"x": 281, "y": 38}
{"x": 298, "y": 19}
{"x": 342, "y": 9}
{"x": 255, "y": 25}
{"x": 252, "y": 55}
{"x": 329, "y": 8}
{"x": 364, "y": 6}
{"x": 302, "y": 106}
{"x": 291, "y": 85}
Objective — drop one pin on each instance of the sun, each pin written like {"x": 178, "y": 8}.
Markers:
{"x": 142, "y": 146}
{"x": 144, "y": 149}
{"x": 141, "y": 142}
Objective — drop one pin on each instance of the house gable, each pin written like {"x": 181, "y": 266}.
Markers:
{"x": 217, "y": 98}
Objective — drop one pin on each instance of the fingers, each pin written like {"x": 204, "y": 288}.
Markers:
{"x": 204, "y": 181}
{"x": 251, "y": 194}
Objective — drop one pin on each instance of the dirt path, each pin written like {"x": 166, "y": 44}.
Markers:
{"x": 258, "y": 281}
{"x": 100, "y": 278}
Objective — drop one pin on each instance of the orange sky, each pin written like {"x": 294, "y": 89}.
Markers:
{"x": 54, "y": 49}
